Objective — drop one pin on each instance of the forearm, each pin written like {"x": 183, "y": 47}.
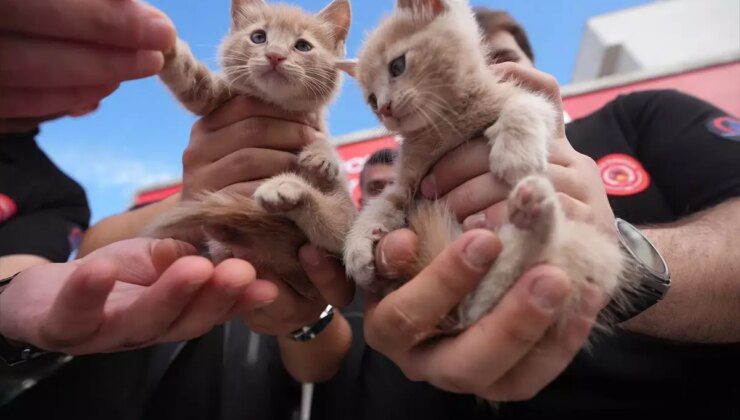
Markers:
{"x": 703, "y": 303}
{"x": 123, "y": 226}
{"x": 320, "y": 359}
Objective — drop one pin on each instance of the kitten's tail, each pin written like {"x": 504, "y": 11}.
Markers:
{"x": 191, "y": 81}
{"x": 436, "y": 227}
{"x": 225, "y": 216}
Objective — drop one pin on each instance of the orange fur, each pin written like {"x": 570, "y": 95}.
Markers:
{"x": 311, "y": 203}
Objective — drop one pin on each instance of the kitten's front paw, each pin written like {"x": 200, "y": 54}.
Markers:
{"x": 319, "y": 165}
{"x": 360, "y": 262}
{"x": 359, "y": 255}
{"x": 532, "y": 203}
{"x": 281, "y": 195}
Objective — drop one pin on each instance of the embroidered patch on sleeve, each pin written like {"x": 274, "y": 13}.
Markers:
{"x": 623, "y": 175}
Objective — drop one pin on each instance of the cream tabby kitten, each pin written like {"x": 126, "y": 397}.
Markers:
{"x": 289, "y": 58}
{"x": 424, "y": 73}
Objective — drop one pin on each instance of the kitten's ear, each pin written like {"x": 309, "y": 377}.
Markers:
{"x": 339, "y": 15}
{"x": 423, "y": 7}
{"x": 347, "y": 65}
{"x": 237, "y": 5}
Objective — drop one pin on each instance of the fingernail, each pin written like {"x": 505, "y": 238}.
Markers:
{"x": 476, "y": 221}
{"x": 161, "y": 32}
{"x": 384, "y": 267}
{"x": 479, "y": 252}
{"x": 429, "y": 186}
{"x": 311, "y": 256}
{"x": 264, "y": 304}
{"x": 548, "y": 293}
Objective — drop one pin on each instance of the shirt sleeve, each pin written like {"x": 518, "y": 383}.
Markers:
{"x": 690, "y": 148}
{"x": 49, "y": 233}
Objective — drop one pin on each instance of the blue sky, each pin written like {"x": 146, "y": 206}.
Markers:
{"x": 137, "y": 137}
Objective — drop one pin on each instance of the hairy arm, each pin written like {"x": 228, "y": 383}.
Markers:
{"x": 123, "y": 226}
{"x": 702, "y": 304}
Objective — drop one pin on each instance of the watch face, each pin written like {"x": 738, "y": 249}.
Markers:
{"x": 642, "y": 249}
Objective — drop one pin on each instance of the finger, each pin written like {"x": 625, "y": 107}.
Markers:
{"x": 491, "y": 347}
{"x": 126, "y": 24}
{"x": 256, "y": 132}
{"x": 287, "y": 313}
{"x": 567, "y": 181}
{"x": 537, "y": 81}
{"x": 395, "y": 254}
{"x": 476, "y": 195}
{"x": 243, "y": 107}
{"x": 19, "y": 102}
{"x": 29, "y": 63}
{"x": 530, "y": 77}
{"x": 214, "y": 300}
{"x": 561, "y": 152}
{"x": 164, "y": 252}
{"x": 161, "y": 304}
{"x": 327, "y": 274}
{"x": 77, "y": 311}
{"x": 410, "y": 314}
{"x": 245, "y": 165}
{"x": 459, "y": 165}
{"x": 245, "y": 189}
{"x": 575, "y": 210}
{"x": 551, "y": 356}
{"x": 22, "y": 125}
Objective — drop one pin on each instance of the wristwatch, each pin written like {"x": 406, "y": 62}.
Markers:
{"x": 646, "y": 267}
{"x": 309, "y": 332}
{"x": 14, "y": 355}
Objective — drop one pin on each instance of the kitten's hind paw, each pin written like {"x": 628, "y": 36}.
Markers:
{"x": 532, "y": 204}
{"x": 279, "y": 195}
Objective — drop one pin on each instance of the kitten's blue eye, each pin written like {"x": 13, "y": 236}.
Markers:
{"x": 397, "y": 66}
{"x": 259, "y": 36}
{"x": 373, "y": 101}
{"x": 303, "y": 45}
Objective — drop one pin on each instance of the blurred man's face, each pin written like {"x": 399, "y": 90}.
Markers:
{"x": 375, "y": 179}
{"x": 505, "y": 48}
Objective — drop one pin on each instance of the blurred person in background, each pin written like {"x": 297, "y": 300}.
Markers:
{"x": 377, "y": 173}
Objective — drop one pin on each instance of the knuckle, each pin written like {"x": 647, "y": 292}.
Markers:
{"x": 521, "y": 337}
{"x": 189, "y": 157}
{"x": 255, "y": 128}
{"x": 394, "y": 322}
{"x": 550, "y": 85}
{"x": 457, "y": 380}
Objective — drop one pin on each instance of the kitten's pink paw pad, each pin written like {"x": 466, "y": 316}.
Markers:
{"x": 532, "y": 197}
{"x": 281, "y": 196}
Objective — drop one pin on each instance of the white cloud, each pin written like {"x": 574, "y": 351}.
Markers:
{"x": 103, "y": 170}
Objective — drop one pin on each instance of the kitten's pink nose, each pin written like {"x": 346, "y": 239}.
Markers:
{"x": 385, "y": 110}
{"x": 275, "y": 59}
